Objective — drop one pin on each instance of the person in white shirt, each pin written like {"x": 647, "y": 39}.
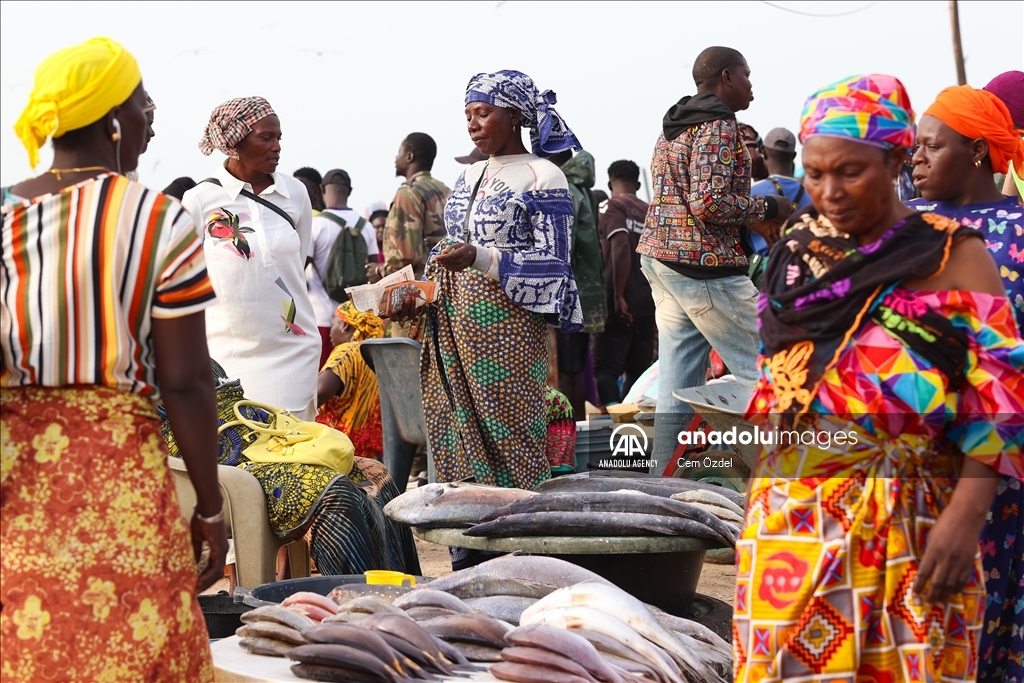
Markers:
{"x": 336, "y": 187}
{"x": 256, "y": 226}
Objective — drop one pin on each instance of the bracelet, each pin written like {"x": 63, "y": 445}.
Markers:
{"x": 219, "y": 517}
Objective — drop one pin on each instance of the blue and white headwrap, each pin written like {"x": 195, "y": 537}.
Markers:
{"x": 548, "y": 132}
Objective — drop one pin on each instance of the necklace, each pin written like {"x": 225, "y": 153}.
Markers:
{"x": 58, "y": 171}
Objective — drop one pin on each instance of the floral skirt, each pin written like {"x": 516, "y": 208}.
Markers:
{"x": 98, "y": 579}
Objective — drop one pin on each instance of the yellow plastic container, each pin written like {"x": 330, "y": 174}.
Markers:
{"x": 383, "y": 576}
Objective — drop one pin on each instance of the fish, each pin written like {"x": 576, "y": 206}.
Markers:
{"x": 272, "y": 630}
{"x": 503, "y": 607}
{"x": 425, "y": 613}
{"x": 633, "y": 666}
{"x": 475, "y": 652}
{"x": 724, "y": 514}
{"x": 282, "y": 615}
{"x": 348, "y": 591}
{"x": 321, "y": 601}
{"x": 545, "y": 658}
{"x": 656, "y": 486}
{"x": 333, "y": 674}
{"x": 369, "y": 604}
{"x": 344, "y": 656}
{"x": 596, "y": 620}
{"x": 568, "y": 643}
{"x": 690, "y": 628}
{"x": 530, "y": 673}
{"x": 595, "y": 524}
{"x": 452, "y": 653}
{"x": 428, "y": 597}
{"x": 528, "y": 576}
{"x": 355, "y": 636}
{"x": 467, "y": 628}
{"x": 451, "y": 505}
{"x": 615, "y": 601}
{"x": 612, "y": 501}
{"x": 404, "y": 627}
{"x": 709, "y": 498}
{"x": 411, "y": 652}
{"x": 265, "y": 646}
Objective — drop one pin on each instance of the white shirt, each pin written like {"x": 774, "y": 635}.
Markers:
{"x": 262, "y": 329}
{"x": 325, "y": 233}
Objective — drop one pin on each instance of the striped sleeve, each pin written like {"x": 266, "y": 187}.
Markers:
{"x": 183, "y": 285}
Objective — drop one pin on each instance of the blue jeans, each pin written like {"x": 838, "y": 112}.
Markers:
{"x": 693, "y": 317}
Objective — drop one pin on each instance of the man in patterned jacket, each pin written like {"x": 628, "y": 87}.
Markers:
{"x": 694, "y": 248}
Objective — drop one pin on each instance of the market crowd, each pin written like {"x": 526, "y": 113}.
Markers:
{"x": 882, "y": 292}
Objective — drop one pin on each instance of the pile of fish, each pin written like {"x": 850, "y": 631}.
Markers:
{"x": 529, "y": 618}
{"x": 577, "y": 505}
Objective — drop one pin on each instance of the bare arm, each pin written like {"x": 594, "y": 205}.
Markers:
{"x": 328, "y": 385}
{"x": 970, "y": 268}
{"x": 186, "y": 383}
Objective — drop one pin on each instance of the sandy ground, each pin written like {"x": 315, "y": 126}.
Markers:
{"x": 716, "y": 580}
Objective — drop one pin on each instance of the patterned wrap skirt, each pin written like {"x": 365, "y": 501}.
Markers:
{"x": 483, "y": 371}
{"x": 98, "y": 578}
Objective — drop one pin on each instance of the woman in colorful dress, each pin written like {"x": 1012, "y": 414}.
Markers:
{"x": 103, "y": 288}
{"x": 892, "y": 368}
{"x": 503, "y": 276}
{"x": 347, "y": 388}
{"x": 256, "y": 225}
{"x": 964, "y": 137}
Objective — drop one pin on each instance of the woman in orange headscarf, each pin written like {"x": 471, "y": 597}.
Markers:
{"x": 964, "y": 137}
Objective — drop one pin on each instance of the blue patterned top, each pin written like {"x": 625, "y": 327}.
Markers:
{"x": 524, "y": 211}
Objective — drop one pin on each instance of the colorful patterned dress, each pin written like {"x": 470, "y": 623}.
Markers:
{"x": 484, "y": 361}
{"x": 356, "y": 410}
{"x": 826, "y": 562}
{"x": 1002, "y": 540}
{"x": 97, "y": 576}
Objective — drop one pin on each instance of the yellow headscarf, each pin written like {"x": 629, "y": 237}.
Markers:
{"x": 74, "y": 88}
{"x": 365, "y": 323}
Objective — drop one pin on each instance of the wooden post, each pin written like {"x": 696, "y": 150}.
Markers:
{"x": 958, "y": 51}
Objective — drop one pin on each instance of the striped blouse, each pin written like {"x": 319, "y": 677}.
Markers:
{"x": 82, "y": 274}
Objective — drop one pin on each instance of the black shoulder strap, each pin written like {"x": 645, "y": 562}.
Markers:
{"x": 469, "y": 207}
{"x": 259, "y": 200}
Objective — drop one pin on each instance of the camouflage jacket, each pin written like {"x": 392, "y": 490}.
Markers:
{"x": 415, "y": 223}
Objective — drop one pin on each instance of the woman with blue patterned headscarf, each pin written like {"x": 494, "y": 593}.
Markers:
{"x": 503, "y": 274}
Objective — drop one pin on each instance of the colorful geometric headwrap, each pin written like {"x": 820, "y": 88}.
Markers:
{"x": 230, "y": 122}
{"x": 76, "y": 87}
{"x": 873, "y": 109}
{"x": 549, "y": 133}
{"x": 365, "y": 323}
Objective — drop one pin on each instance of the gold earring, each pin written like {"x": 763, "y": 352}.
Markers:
{"x": 977, "y": 163}
{"x": 115, "y": 137}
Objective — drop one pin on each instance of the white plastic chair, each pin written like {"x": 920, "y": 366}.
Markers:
{"x": 245, "y": 514}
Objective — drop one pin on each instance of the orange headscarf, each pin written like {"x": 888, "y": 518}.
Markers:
{"x": 980, "y": 114}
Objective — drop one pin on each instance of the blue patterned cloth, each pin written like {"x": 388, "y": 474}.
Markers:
{"x": 522, "y": 209}
{"x": 549, "y": 133}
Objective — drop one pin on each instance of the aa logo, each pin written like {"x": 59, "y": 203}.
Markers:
{"x": 628, "y": 441}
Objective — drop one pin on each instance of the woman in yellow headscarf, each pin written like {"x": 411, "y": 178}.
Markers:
{"x": 347, "y": 388}
{"x": 103, "y": 287}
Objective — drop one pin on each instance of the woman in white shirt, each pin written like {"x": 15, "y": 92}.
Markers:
{"x": 256, "y": 226}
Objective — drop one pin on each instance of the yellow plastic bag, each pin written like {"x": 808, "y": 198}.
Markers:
{"x": 287, "y": 439}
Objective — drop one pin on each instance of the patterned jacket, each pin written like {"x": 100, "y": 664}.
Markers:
{"x": 415, "y": 222}
{"x": 701, "y": 201}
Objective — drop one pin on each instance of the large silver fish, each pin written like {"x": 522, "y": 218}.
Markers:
{"x": 527, "y": 576}
{"x": 504, "y": 607}
{"x": 452, "y": 505}
{"x": 595, "y": 524}
{"x": 656, "y": 486}
{"x": 566, "y": 643}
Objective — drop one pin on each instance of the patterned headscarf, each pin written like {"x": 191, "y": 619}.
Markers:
{"x": 549, "y": 133}
{"x": 365, "y": 323}
{"x": 230, "y": 122}
{"x": 76, "y": 87}
{"x": 873, "y": 109}
{"x": 979, "y": 114}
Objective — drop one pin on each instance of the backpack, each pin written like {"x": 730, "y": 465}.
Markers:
{"x": 346, "y": 266}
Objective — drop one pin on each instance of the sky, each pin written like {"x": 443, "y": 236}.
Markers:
{"x": 350, "y": 80}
